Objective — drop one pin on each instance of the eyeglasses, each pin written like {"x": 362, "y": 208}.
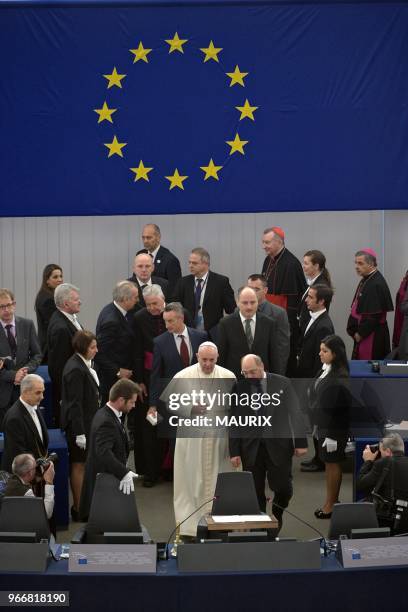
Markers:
{"x": 6, "y": 306}
{"x": 252, "y": 372}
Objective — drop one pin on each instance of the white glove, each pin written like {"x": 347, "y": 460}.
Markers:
{"x": 330, "y": 444}
{"x": 81, "y": 441}
{"x": 126, "y": 485}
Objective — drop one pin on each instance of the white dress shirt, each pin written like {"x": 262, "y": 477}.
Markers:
{"x": 32, "y": 410}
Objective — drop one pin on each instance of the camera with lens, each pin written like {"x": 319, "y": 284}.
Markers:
{"x": 42, "y": 463}
{"x": 374, "y": 448}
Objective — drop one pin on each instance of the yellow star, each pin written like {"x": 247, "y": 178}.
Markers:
{"x": 247, "y": 110}
{"x": 140, "y": 53}
{"x": 115, "y": 147}
{"x": 237, "y": 144}
{"x": 176, "y": 180}
{"x": 141, "y": 172}
{"x": 114, "y": 79}
{"x": 237, "y": 76}
{"x": 176, "y": 43}
{"x": 211, "y": 52}
{"x": 105, "y": 113}
{"x": 211, "y": 170}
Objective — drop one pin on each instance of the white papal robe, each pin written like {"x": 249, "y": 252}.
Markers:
{"x": 197, "y": 462}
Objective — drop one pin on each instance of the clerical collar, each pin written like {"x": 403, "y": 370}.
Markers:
{"x": 278, "y": 256}
{"x": 115, "y": 412}
{"x": 121, "y": 310}
{"x": 371, "y": 274}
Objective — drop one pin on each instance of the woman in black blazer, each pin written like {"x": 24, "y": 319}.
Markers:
{"x": 80, "y": 401}
{"x": 45, "y": 305}
{"x": 330, "y": 402}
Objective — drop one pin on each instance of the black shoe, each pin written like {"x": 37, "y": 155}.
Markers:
{"x": 313, "y": 467}
{"x": 322, "y": 515}
{"x": 74, "y": 514}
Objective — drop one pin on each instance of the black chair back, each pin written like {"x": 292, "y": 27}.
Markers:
{"x": 346, "y": 517}
{"x": 24, "y": 514}
{"x": 235, "y": 494}
{"x": 111, "y": 510}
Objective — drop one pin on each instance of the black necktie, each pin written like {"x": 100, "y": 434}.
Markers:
{"x": 197, "y": 297}
{"x": 12, "y": 341}
{"x": 248, "y": 333}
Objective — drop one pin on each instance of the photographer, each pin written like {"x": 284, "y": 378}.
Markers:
{"x": 383, "y": 477}
{"x": 25, "y": 474}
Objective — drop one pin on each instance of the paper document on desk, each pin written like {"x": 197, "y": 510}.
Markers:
{"x": 241, "y": 518}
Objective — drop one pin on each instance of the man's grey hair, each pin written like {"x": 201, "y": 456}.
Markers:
{"x": 393, "y": 442}
{"x": 153, "y": 291}
{"x": 155, "y": 227}
{"x": 22, "y": 464}
{"x": 368, "y": 258}
{"x": 175, "y": 307}
{"x": 62, "y": 293}
{"x": 205, "y": 256}
{"x": 28, "y": 382}
{"x": 123, "y": 291}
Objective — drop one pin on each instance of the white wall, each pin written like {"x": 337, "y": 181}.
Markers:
{"x": 95, "y": 252}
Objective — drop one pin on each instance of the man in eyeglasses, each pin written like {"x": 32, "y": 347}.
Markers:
{"x": 19, "y": 349}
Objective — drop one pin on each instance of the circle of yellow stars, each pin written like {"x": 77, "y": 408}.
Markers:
{"x": 210, "y": 53}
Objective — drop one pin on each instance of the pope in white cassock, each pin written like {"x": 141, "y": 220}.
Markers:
{"x": 199, "y": 460}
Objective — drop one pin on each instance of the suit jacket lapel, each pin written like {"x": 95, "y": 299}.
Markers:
{"x": 42, "y": 445}
{"x": 120, "y": 428}
{"x": 208, "y": 288}
{"x": 85, "y": 368}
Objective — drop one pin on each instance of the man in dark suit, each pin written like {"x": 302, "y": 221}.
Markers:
{"x": 173, "y": 351}
{"x": 143, "y": 268}
{"x": 18, "y": 342}
{"x": 166, "y": 265}
{"x": 318, "y": 326}
{"x": 108, "y": 448}
{"x": 247, "y": 330}
{"x": 63, "y": 325}
{"x": 205, "y": 294}
{"x": 25, "y": 430}
{"x": 258, "y": 283}
{"x": 116, "y": 355}
{"x": 266, "y": 449}
{"x": 386, "y": 472}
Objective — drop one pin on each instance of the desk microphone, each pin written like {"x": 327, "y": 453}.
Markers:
{"x": 325, "y": 547}
{"x": 213, "y": 498}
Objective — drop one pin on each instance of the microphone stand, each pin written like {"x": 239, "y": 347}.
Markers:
{"x": 176, "y": 530}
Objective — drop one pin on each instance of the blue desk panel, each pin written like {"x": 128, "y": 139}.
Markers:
{"x": 331, "y": 588}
